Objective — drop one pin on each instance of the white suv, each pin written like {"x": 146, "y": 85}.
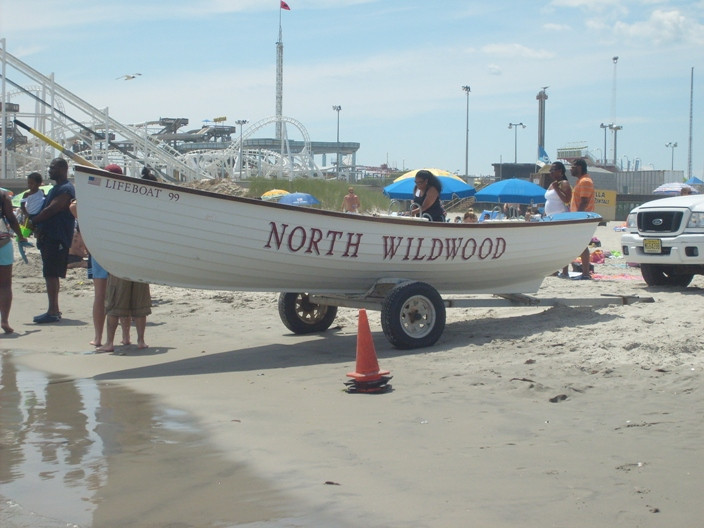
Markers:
{"x": 666, "y": 237}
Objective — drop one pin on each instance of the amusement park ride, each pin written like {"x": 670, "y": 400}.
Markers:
{"x": 213, "y": 151}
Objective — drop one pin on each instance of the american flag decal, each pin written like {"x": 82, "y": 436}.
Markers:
{"x": 93, "y": 180}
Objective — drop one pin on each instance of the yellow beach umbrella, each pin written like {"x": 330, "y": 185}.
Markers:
{"x": 436, "y": 172}
{"x": 274, "y": 195}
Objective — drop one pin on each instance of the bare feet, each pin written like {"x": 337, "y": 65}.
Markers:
{"x": 7, "y": 328}
{"x": 107, "y": 347}
{"x": 142, "y": 344}
{"x": 126, "y": 342}
{"x": 95, "y": 343}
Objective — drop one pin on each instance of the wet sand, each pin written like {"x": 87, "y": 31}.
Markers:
{"x": 79, "y": 452}
{"x": 529, "y": 417}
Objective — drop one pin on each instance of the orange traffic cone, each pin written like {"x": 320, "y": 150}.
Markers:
{"x": 367, "y": 376}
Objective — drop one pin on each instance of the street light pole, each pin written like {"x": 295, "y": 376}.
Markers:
{"x": 615, "y": 128}
{"x": 605, "y": 126}
{"x": 337, "y": 109}
{"x": 241, "y": 123}
{"x": 466, "y": 137}
{"x": 672, "y": 146}
{"x": 515, "y": 139}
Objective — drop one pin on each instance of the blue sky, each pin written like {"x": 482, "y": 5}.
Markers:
{"x": 396, "y": 68}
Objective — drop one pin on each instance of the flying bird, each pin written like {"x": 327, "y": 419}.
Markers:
{"x": 128, "y": 76}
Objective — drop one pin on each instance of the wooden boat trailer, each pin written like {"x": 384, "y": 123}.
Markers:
{"x": 412, "y": 312}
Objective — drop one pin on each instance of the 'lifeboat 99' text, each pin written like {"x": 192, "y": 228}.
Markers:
{"x": 141, "y": 190}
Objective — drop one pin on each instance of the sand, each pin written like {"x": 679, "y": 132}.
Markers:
{"x": 532, "y": 417}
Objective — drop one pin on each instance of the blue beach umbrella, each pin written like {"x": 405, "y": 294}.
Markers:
{"x": 694, "y": 181}
{"x": 299, "y": 198}
{"x": 402, "y": 189}
{"x": 512, "y": 190}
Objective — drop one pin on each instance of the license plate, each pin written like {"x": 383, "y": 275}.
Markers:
{"x": 652, "y": 245}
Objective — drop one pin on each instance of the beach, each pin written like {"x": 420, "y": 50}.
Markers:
{"x": 521, "y": 416}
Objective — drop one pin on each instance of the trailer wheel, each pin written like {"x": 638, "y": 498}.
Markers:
{"x": 663, "y": 275}
{"x": 302, "y": 316}
{"x": 413, "y": 315}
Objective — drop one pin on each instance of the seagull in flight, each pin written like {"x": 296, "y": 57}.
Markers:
{"x": 128, "y": 76}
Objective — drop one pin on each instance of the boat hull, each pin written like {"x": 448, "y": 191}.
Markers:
{"x": 166, "y": 234}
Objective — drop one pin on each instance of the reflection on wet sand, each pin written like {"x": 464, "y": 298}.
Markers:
{"x": 74, "y": 452}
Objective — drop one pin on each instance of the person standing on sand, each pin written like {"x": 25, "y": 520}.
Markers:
{"x": 558, "y": 197}
{"x": 54, "y": 226}
{"x": 99, "y": 276}
{"x": 583, "y": 199}
{"x": 7, "y": 258}
{"x": 127, "y": 299}
{"x": 350, "y": 203}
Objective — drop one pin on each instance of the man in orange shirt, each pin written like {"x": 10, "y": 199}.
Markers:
{"x": 582, "y": 200}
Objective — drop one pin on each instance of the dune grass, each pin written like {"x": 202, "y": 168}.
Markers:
{"x": 329, "y": 192}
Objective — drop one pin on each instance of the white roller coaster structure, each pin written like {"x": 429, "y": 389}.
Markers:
{"x": 262, "y": 161}
{"x": 74, "y": 123}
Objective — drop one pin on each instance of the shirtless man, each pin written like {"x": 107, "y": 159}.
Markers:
{"x": 350, "y": 203}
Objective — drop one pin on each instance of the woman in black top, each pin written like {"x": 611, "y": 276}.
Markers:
{"x": 427, "y": 196}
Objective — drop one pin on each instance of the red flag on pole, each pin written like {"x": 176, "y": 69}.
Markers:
{"x": 285, "y": 6}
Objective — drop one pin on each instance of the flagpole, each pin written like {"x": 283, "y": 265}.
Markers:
{"x": 279, "y": 94}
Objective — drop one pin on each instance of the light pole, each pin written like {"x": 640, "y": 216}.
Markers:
{"x": 605, "y": 126}
{"x": 337, "y": 109}
{"x": 515, "y": 139}
{"x": 615, "y": 128}
{"x": 672, "y": 146}
{"x": 466, "y": 136}
{"x": 241, "y": 123}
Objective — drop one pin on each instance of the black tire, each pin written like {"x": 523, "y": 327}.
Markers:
{"x": 663, "y": 275}
{"x": 304, "y": 317}
{"x": 413, "y": 315}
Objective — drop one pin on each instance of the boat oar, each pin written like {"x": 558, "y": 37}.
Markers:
{"x": 75, "y": 157}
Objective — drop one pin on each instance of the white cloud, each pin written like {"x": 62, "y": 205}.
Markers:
{"x": 663, "y": 27}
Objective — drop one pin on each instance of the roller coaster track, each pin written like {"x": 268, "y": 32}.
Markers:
{"x": 58, "y": 103}
{"x": 263, "y": 161}
{"x": 100, "y": 139}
